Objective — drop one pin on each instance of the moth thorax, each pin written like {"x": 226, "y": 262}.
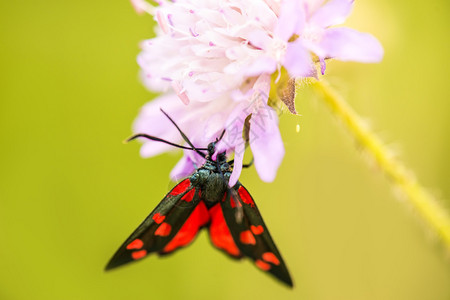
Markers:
{"x": 200, "y": 177}
{"x": 214, "y": 188}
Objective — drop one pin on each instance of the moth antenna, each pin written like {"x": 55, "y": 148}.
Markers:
{"x": 183, "y": 135}
{"x": 156, "y": 139}
{"x": 221, "y": 135}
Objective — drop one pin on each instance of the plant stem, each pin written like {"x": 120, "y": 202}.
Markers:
{"x": 434, "y": 215}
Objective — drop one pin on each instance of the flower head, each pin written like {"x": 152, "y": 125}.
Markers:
{"x": 214, "y": 60}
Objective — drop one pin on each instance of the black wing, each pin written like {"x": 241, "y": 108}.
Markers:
{"x": 250, "y": 234}
{"x": 172, "y": 224}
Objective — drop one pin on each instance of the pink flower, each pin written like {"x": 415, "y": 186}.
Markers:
{"x": 214, "y": 60}
{"x": 201, "y": 122}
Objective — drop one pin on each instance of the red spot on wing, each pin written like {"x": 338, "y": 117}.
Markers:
{"x": 189, "y": 196}
{"x": 181, "y": 187}
{"x": 158, "y": 218}
{"x": 256, "y": 229}
{"x": 163, "y": 229}
{"x": 270, "y": 257}
{"x": 245, "y": 196}
{"x": 262, "y": 265}
{"x": 198, "y": 218}
{"x": 247, "y": 237}
{"x": 220, "y": 233}
{"x": 136, "y": 244}
{"x": 138, "y": 254}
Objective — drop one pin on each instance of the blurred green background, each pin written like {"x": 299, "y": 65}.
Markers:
{"x": 71, "y": 192}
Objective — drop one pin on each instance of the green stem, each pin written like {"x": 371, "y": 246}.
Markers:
{"x": 434, "y": 215}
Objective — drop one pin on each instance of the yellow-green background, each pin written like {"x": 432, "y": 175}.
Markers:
{"x": 71, "y": 192}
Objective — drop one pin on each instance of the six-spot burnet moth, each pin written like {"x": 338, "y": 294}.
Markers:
{"x": 202, "y": 200}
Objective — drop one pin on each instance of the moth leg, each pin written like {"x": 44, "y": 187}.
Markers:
{"x": 231, "y": 163}
{"x": 249, "y": 164}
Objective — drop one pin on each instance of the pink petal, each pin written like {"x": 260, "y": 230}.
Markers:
{"x": 151, "y": 148}
{"x": 298, "y": 60}
{"x": 181, "y": 93}
{"x": 266, "y": 143}
{"x": 213, "y": 128}
{"x": 274, "y": 5}
{"x": 183, "y": 168}
{"x": 261, "y": 88}
{"x": 239, "y": 151}
{"x": 186, "y": 165}
{"x": 233, "y": 139}
{"x": 233, "y": 128}
{"x": 162, "y": 21}
{"x": 332, "y": 13}
{"x": 291, "y": 20}
{"x": 264, "y": 65}
{"x": 259, "y": 38}
{"x": 138, "y": 6}
{"x": 153, "y": 122}
{"x": 350, "y": 45}
{"x": 311, "y": 6}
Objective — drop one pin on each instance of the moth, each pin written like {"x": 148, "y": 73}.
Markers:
{"x": 204, "y": 200}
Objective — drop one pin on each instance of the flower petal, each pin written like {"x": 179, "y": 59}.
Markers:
{"x": 259, "y": 38}
{"x": 263, "y": 65}
{"x": 298, "y": 60}
{"x": 183, "y": 168}
{"x": 233, "y": 137}
{"x": 266, "y": 144}
{"x": 350, "y": 45}
{"x": 142, "y": 6}
{"x": 233, "y": 140}
{"x": 274, "y": 5}
{"x": 312, "y": 5}
{"x": 291, "y": 20}
{"x": 186, "y": 165}
{"x": 239, "y": 151}
{"x": 261, "y": 90}
{"x": 233, "y": 129}
{"x": 151, "y": 148}
{"x": 181, "y": 93}
{"x": 153, "y": 122}
{"x": 332, "y": 13}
